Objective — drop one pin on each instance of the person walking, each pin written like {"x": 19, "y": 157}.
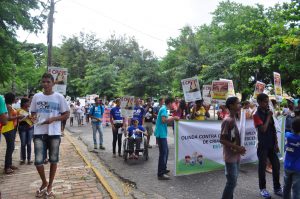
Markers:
{"x": 232, "y": 149}
{"x": 49, "y": 108}
{"x": 267, "y": 146}
{"x": 161, "y": 134}
{"x": 96, "y": 114}
{"x": 25, "y": 131}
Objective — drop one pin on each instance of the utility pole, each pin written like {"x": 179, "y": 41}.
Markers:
{"x": 50, "y": 34}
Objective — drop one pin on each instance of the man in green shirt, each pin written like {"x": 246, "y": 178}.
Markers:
{"x": 3, "y": 113}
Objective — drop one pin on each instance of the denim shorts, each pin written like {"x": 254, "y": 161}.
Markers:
{"x": 44, "y": 142}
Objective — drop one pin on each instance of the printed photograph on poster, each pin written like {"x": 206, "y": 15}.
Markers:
{"x": 127, "y": 103}
{"x": 206, "y": 93}
{"x": 219, "y": 90}
{"x": 60, "y": 79}
{"x": 191, "y": 89}
{"x": 259, "y": 88}
{"x": 277, "y": 86}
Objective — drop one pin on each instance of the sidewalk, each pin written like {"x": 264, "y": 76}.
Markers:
{"x": 73, "y": 178}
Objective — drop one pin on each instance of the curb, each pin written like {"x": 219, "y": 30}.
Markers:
{"x": 102, "y": 180}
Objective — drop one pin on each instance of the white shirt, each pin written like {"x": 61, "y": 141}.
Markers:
{"x": 47, "y": 106}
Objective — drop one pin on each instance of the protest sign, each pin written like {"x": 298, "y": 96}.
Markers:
{"x": 259, "y": 88}
{"x": 206, "y": 94}
{"x": 277, "y": 87}
{"x": 191, "y": 89}
{"x": 127, "y": 103}
{"x": 60, "y": 79}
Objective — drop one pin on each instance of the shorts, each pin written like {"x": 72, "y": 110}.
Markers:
{"x": 44, "y": 142}
{"x": 149, "y": 128}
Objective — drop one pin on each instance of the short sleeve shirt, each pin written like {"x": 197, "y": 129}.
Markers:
{"x": 116, "y": 113}
{"x": 265, "y": 139}
{"x": 230, "y": 132}
{"x": 3, "y": 108}
{"x": 161, "y": 129}
{"x": 97, "y": 112}
{"x": 132, "y": 131}
{"x": 47, "y": 106}
{"x": 138, "y": 113}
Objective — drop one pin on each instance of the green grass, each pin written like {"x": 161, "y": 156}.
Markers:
{"x": 207, "y": 165}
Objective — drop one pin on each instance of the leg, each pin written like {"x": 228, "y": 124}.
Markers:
{"x": 94, "y": 126}
{"x": 119, "y": 143}
{"x": 39, "y": 146}
{"x": 22, "y": 134}
{"x": 262, "y": 158}
{"x": 29, "y": 139}
{"x": 114, "y": 142}
{"x": 131, "y": 145}
{"x": 100, "y": 129}
{"x": 231, "y": 172}
{"x": 288, "y": 180}
{"x": 162, "y": 161}
{"x": 275, "y": 168}
{"x": 296, "y": 185}
{"x": 10, "y": 146}
{"x": 53, "y": 142}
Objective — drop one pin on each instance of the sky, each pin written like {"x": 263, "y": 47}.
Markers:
{"x": 151, "y": 22}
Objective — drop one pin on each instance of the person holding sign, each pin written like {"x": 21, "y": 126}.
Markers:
{"x": 199, "y": 112}
{"x": 232, "y": 149}
{"x": 267, "y": 145}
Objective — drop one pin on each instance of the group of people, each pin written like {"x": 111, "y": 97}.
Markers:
{"x": 267, "y": 148}
{"x": 40, "y": 118}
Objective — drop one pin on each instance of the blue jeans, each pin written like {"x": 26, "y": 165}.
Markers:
{"x": 99, "y": 128}
{"x": 231, "y": 173}
{"x": 291, "y": 182}
{"x": 163, "y": 155}
{"x": 26, "y": 134}
{"x": 44, "y": 142}
{"x": 10, "y": 137}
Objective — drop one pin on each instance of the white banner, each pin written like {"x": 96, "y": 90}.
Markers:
{"x": 60, "y": 79}
{"x": 198, "y": 148}
{"x": 191, "y": 89}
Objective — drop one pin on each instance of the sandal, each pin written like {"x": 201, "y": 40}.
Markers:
{"x": 8, "y": 171}
{"x": 41, "y": 192}
{"x": 50, "y": 195}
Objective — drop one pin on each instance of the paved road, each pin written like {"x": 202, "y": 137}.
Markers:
{"x": 142, "y": 174}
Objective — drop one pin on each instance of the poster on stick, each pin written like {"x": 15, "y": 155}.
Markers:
{"x": 277, "y": 87}
{"x": 127, "y": 103}
{"x": 206, "y": 93}
{"x": 259, "y": 88}
{"x": 221, "y": 90}
{"x": 191, "y": 89}
{"x": 60, "y": 79}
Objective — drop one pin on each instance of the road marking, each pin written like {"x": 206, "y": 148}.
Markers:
{"x": 102, "y": 180}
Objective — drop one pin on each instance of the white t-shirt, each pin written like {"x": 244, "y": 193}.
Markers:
{"x": 47, "y": 106}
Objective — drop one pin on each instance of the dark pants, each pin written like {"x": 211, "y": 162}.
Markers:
{"x": 163, "y": 155}
{"x": 231, "y": 173}
{"x": 10, "y": 137}
{"x": 131, "y": 142}
{"x": 26, "y": 134}
{"x": 117, "y": 137}
{"x": 262, "y": 155}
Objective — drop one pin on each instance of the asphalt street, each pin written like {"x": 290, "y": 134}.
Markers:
{"x": 141, "y": 174}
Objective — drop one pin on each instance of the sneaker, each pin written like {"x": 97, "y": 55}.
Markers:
{"x": 13, "y": 167}
{"x": 22, "y": 162}
{"x": 114, "y": 155}
{"x": 163, "y": 177}
{"x": 95, "y": 146}
{"x": 278, "y": 192}
{"x": 102, "y": 147}
{"x": 167, "y": 171}
{"x": 264, "y": 193}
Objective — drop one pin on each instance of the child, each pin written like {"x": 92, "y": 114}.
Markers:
{"x": 232, "y": 149}
{"x": 267, "y": 145}
{"x": 292, "y": 162}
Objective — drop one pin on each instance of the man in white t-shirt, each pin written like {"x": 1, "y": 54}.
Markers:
{"x": 49, "y": 108}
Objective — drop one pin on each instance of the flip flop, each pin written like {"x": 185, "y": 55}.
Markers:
{"x": 40, "y": 193}
{"x": 50, "y": 195}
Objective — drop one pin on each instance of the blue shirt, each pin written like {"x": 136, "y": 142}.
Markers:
{"x": 116, "y": 113}
{"x": 292, "y": 152}
{"x": 161, "y": 129}
{"x": 138, "y": 113}
{"x": 97, "y": 112}
{"x": 132, "y": 131}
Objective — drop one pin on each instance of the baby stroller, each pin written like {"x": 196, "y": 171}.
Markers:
{"x": 143, "y": 148}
